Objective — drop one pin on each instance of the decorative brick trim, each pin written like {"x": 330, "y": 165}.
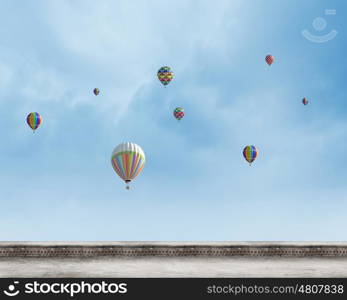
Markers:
{"x": 171, "y": 250}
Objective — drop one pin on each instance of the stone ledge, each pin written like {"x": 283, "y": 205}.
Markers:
{"x": 173, "y": 249}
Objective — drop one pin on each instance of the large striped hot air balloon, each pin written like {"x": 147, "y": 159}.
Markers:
{"x": 178, "y": 113}
{"x": 128, "y": 160}
{"x": 34, "y": 120}
{"x": 165, "y": 75}
{"x": 305, "y": 101}
{"x": 269, "y": 59}
{"x": 250, "y": 153}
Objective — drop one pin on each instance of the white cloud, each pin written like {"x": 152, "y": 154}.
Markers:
{"x": 43, "y": 84}
{"x": 6, "y": 75}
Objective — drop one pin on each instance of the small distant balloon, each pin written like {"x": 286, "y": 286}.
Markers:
{"x": 34, "y": 120}
{"x": 96, "y": 91}
{"x": 250, "y": 153}
{"x": 305, "y": 101}
{"x": 128, "y": 160}
{"x": 269, "y": 59}
{"x": 165, "y": 75}
{"x": 178, "y": 113}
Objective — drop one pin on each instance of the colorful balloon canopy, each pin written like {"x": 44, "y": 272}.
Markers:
{"x": 305, "y": 101}
{"x": 96, "y": 91}
{"x": 128, "y": 160}
{"x": 178, "y": 113}
{"x": 269, "y": 59}
{"x": 250, "y": 153}
{"x": 34, "y": 120}
{"x": 165, "y": 75}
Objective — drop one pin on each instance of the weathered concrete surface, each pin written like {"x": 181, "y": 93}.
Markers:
{"x": 174, "y": 267}
{"x": 173, "y": 259}
{"x": 171, "y": 249}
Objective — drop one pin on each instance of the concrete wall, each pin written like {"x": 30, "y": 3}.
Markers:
{"x": 173, "y": 259}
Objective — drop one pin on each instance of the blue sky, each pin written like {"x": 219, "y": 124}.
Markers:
{"x": 58, "y": 184}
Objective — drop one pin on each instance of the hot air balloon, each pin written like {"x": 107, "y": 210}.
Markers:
{"x": 128, "y": 160}
{"x": 305, "y": 101}
{"x": 165, "y": 75}
{"x": 34, "y": 120}
{"x": 250, "y": 153}
{"x": 178, "y": 113}
{"x": 269, "y": 59}
{"x": 96, "y": 91}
